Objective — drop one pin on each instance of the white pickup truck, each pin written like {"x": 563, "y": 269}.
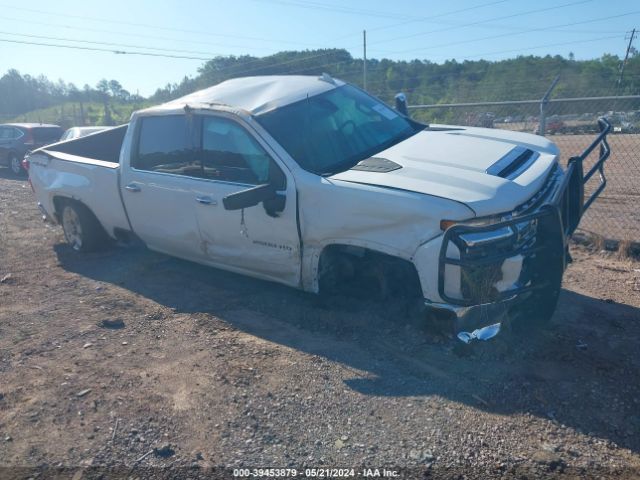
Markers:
{"x": 313, "y": 183}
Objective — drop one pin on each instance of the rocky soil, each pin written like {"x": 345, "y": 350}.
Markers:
{"x": 131, "y": 363}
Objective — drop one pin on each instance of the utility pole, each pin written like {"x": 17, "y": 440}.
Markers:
{"x": 364, "y": 68}
{"x": 626, "y": 56}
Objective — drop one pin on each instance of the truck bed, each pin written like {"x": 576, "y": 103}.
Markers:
{"x": 103, "y": 146}
{"x": 86, "y": 170}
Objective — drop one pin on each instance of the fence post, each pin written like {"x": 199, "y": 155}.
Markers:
{"x": 542, "y": 124}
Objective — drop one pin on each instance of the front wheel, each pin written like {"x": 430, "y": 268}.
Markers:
{"x": 535, "y": 312}
{"x": 81, "y": 229}
{"x": 15, "y": 166}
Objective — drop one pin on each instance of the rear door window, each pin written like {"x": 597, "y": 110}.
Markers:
{"x": 46, "y": 135}
{"x": 165, "y": 146}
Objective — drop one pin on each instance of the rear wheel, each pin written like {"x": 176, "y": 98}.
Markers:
{"x": 15, "y": 166}
{"x": 82, "y": 230}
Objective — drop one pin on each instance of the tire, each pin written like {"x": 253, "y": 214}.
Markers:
{"x": 536, "y": 312}
{"x": 15, "y": 165}
{"x": 81, "y": 228}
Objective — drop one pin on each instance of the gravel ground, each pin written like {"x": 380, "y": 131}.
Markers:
{"x": 130, "y": 363}
{"x": 615, "y": 215}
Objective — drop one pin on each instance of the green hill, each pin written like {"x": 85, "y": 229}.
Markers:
{"x": 70, "y": 114}
{"x": 425, "y": 82}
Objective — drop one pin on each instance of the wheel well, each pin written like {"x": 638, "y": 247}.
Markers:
{"x": 59, "y": 203}
{"x": 362, "y": 272}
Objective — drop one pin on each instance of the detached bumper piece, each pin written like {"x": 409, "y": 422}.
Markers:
{"x": 484, "y": 270}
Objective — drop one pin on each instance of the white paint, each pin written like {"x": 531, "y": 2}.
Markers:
{"x": 397, "y": 213}
{"x": 254, "y": 94}
{"x": 452, "y": 164}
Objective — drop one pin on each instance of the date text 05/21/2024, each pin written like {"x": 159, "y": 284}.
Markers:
{"x": 314, "y": 473}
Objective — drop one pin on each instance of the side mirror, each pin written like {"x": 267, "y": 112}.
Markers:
{"x": 249, "y": 198}
{"x": 401, "y": 104}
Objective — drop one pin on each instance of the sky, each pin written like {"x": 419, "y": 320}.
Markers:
{"x": 200, "y": 29}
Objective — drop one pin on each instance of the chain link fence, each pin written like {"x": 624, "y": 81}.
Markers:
{"x": 571, "y": 123}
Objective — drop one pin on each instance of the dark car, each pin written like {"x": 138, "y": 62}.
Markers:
{"x": 16, "y": 139}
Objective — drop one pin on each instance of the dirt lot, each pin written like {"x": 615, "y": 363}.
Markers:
{"x": 615, "y": 215}
{"x": 212, "y": 369}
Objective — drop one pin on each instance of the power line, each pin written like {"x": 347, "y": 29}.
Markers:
{"x": 124, "y": 52}
{"x": 200, "y": 52}
{"x": 432, "y": 77}
{"x": 338, "y": 8}
{"x": 153, "y": 37}
{"x": 502, "y": 35}
{"x": 372, "y": 13}
{"x": 66, "y": 26}
{"x": 257, "y": 60}
{"x": 286, "y": 62}
{"x": 95, "y": 49}
{"x": 541, "y": 46}
{"x": 453, "y": 12}
{"x": 43, "y": 37}
{"x": 128, "y": 34}
{"x": 479, "y": 22}
{"x": 143, "y": 25}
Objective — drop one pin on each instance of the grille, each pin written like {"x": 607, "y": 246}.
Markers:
{"x": 551, "y": 183}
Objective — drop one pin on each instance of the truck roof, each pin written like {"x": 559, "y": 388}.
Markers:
{"x": 254, "y": 94}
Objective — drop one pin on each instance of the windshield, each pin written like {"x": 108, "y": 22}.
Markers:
{"x": 333, "y": 131}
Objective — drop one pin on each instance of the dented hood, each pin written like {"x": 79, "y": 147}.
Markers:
{"x": 452, "y": 163}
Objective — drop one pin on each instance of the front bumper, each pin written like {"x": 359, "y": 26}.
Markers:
{"x": 455, "y": 319}
{"x": 485, "y": 271}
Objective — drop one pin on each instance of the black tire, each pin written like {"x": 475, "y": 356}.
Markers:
{"x": 81, "y": 228}
{"x": 15, "y": 165}
{"x": 536, "y": 312}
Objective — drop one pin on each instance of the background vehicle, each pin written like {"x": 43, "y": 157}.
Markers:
{"x": 77, "y": 132}
{"x": 16, "y": 139}
{"x": 313, "y": 183}
{"x": 554, "y": 126}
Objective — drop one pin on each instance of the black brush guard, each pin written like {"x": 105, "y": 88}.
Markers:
{"x": 545, "y": 256}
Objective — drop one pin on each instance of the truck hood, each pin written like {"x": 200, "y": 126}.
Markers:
{"x": 452, "y": 163}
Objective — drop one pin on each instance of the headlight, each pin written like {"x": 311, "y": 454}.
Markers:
{"x": 475, "y": 222}
{"x": 519, "y": 232}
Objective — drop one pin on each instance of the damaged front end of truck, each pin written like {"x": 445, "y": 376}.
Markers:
{"x": 509, "y": 268}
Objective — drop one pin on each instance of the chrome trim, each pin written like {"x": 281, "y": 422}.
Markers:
{"x": 484, "y": 333}
{"x": 481, "y": 238}
{"x": 550, "y": 185}
{"x": 224, "y": 182}
{"x": 474, "y": 317}
{"x": 206, "y": 200}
